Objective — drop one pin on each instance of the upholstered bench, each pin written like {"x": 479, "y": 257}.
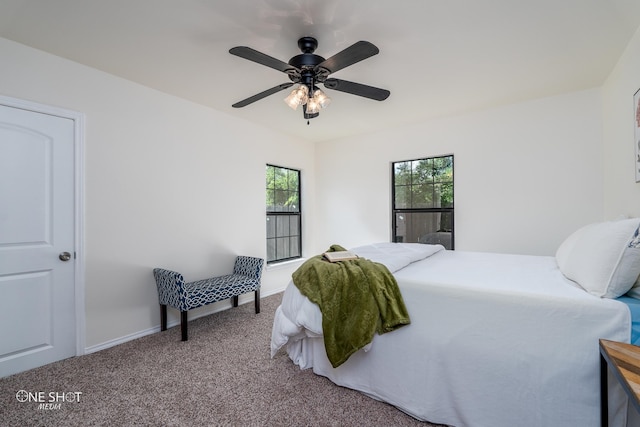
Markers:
{"x": 184, "y": 296}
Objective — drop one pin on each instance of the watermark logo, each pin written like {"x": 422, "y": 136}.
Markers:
{"x": 48, "y": 400}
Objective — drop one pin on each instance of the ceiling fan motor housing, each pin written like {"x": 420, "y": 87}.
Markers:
{"x": 307, "y": 59}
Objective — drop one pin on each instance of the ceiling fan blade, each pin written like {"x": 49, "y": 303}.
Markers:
{"x": 261, "y": 95}
{"x": 357, "y": 89}
{"x": 261, "y": 58}
{"x": 349, "y": 56}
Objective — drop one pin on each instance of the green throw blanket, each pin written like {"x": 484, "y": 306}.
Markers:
{"x": 357, "y": 298}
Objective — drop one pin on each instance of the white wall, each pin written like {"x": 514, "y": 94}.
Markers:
{"x": 159, "y": 170}
{"x": 526, "y": 175}
{"x": 621, "y": 192}
{"x": 168, "y": 183}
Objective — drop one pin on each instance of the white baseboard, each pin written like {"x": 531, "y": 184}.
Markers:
{"x": 121, "y": 340}
{"x": 156, "y": 329}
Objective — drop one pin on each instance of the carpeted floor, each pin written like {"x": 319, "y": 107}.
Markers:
{"x": 222, "y": 376}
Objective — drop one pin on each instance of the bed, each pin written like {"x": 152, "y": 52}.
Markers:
{"x": 494, "y": 339}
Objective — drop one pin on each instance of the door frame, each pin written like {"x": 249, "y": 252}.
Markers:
{"x": 78, "y": 194}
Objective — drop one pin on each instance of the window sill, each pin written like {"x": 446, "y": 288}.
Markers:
{"x": 284, "y": 264}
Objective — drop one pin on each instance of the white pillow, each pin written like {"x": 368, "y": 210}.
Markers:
{"x": 566, "y": 248}
{"x": 602, "y": 258}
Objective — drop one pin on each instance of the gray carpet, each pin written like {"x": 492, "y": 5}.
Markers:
{"x": 222, "y": 376}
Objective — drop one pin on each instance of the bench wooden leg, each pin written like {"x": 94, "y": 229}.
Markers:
{"x": 257, "y": 301}
{"x": 163, "y": 317}
{"x": 183, "y": 325}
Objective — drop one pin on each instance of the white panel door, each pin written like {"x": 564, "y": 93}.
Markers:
{"x": 37, "y": 223}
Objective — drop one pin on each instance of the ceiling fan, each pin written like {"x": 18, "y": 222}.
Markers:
{"x": 308, "y": 70}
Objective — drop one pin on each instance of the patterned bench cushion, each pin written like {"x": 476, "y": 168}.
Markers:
{"x": 184, "y": 296}
{"x": 216, "y": 289}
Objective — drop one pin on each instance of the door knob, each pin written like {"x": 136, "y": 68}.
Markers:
{"x": 64, "y": 256}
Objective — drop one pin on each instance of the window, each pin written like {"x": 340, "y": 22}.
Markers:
{"x": 423, "y": 201}
{"x": 284, "y": 236}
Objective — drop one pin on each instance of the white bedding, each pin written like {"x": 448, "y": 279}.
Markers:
{"x": 495, "y": 340}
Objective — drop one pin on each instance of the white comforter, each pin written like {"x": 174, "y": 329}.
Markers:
{"x": 495, "y": 340}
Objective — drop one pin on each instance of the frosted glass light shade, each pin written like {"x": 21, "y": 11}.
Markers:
{"x": 321, "y": 98}
{"x": 313, "y": 106}
{"x": 297, "y": 97}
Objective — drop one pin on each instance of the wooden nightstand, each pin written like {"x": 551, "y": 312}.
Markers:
{"x": 624, "y": 361}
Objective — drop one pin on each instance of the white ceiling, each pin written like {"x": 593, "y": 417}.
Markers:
{"x": 437, "y": 57}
